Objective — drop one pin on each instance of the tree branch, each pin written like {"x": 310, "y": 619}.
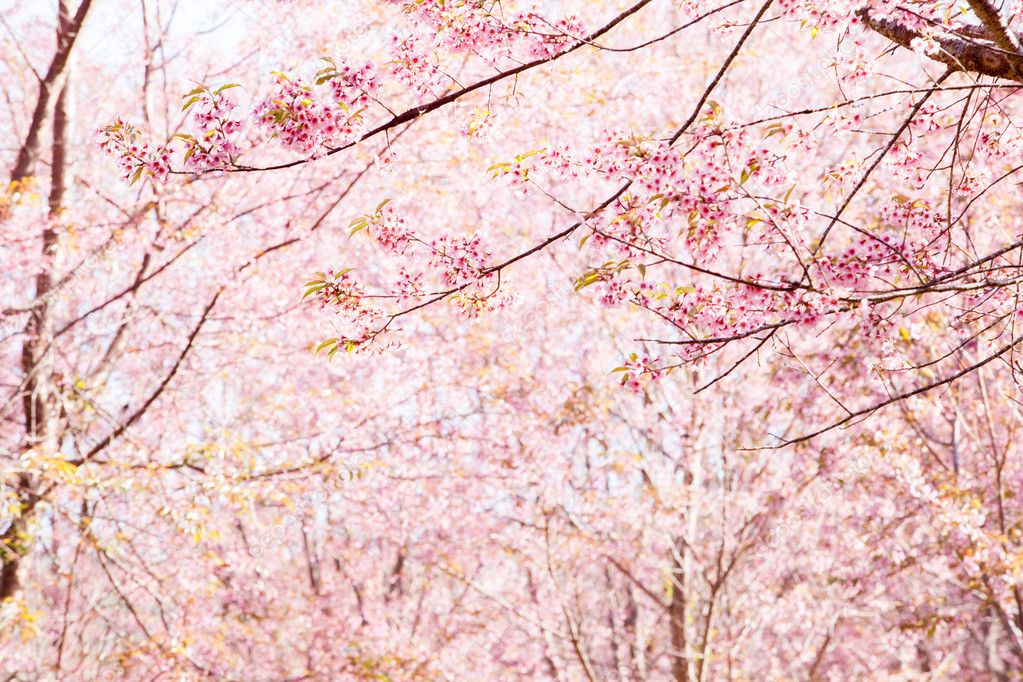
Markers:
{"x": 995, "y": 24}
{"x": 144, "y": 407}
{"x": 957, "y": 55}
{"x": 68, "y": 33}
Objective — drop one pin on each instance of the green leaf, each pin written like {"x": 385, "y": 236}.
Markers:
{"x": 313, "y": 289}
{"x": 326, "y": 343}
{"x": 587, "y": 280}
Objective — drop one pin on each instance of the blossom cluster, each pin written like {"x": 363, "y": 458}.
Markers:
{"x": 312, "y": 118}
{"x": 213, "y": 146}
{"x": 550, "y": 39}
{"x": 459, "y": 267}
{"x": 342, "y": 293}
{"x": 135, "y": 158}
{"x": 461, "y": 260}
{"x": 638, "y": 372}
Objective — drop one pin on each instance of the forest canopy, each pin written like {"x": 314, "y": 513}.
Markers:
{"x": 598, "y": 340}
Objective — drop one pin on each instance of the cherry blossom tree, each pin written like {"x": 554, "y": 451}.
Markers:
{"x": 422, "y": 340}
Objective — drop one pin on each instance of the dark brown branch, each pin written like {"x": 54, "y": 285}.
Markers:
{"x": 995, "y": 24}
{"x": 957, "y": 55}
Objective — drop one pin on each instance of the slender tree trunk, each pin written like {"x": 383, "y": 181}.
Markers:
{"x": 39, "y": 401}
{"x": 677, "y": 616}
{"x": 684, "y": 669}
{"x": 67, "y": 33}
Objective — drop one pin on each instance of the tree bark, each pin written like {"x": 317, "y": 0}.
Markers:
{"x": 987, "y": 58}
{"x": 677, "y": 617}
{"x": 41, "y": 412}
{"x": 67, "y": 34}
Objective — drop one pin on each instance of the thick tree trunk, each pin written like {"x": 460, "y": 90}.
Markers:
{"x": 982, "y": 54}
